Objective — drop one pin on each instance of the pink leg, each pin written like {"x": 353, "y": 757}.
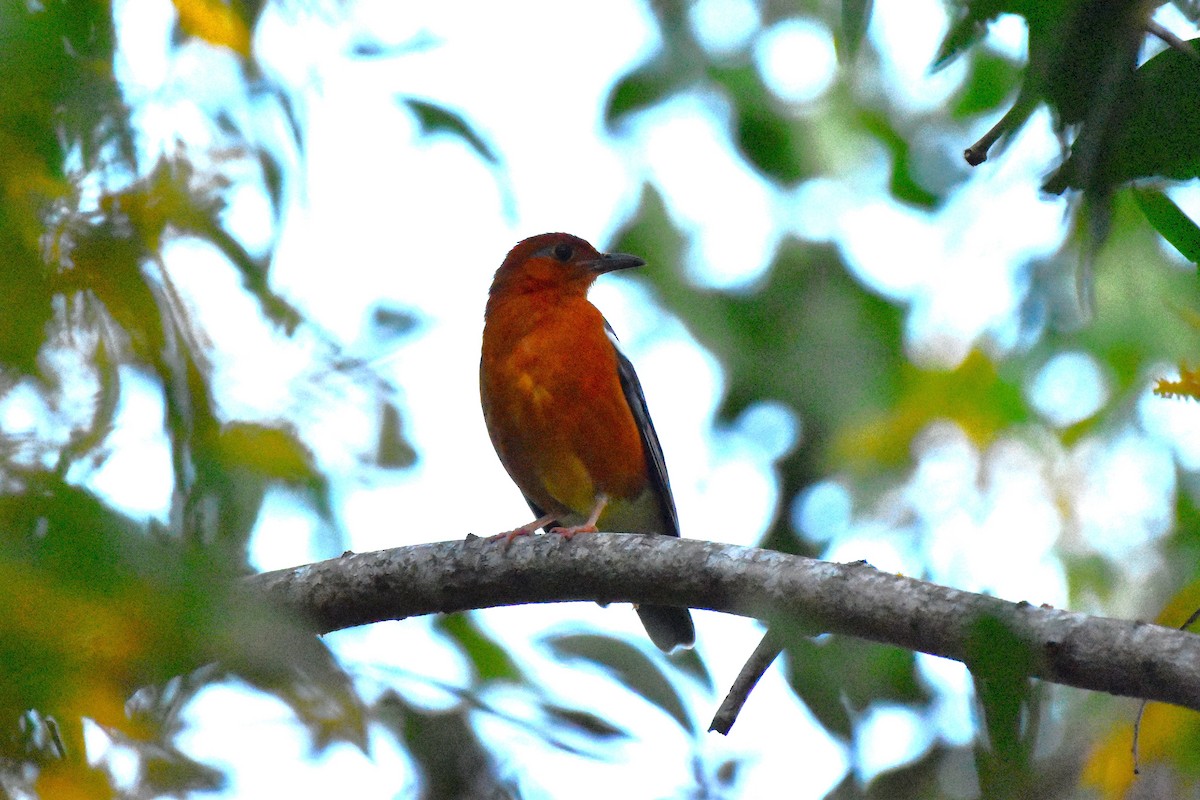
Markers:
{"x": 587, "y": 527}
{"x": 525, "y": 530}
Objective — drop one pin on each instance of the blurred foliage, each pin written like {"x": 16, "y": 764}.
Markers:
{"x": 113, "y": 622}
{"x": 433, "y": 119}
{"x": 631, "y": 666}
{"x": 1167, "y": 218}
{"x": 1167, "y": 736}
{"x": 810, "y": 335}
{"x": 838, "y": 697}
{"x": 1000, "y": 665}
{"x": 119, "y": 623}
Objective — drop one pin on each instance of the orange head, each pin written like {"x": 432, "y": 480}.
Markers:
{"x": 557, "y": 262}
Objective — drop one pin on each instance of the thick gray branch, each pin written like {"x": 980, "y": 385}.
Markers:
{"x": 1120, "y": 657}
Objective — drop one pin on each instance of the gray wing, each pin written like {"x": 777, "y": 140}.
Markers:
{"x": 656, "y": 464}
{"x": 669, "y": 627}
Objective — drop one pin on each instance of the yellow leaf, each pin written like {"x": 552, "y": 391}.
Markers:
{"x": 73, "y": 780}
{"x": 973, "y": 395}
{"x": 274, "y": 452}
{"x": 103, "y": 632}
{"x": 1167, "y": 736}
{"x": 1187, "y": 387}
{"x": 216, "y": 23}
{"x": 83, "y": 652}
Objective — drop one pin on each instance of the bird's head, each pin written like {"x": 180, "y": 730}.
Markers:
{"x": 557, "y": 262}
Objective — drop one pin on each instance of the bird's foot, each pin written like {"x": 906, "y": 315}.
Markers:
{"x": 572, "y": 531}
{"x": 507, "y": 537}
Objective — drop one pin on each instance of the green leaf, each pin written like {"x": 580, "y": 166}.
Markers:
{"x": 1082, "y": 55}
{"x": 627, "y": 664}
{"x": 856, "y": 16}
{"x": 272, "y": 177}
{"x": 884, "y": 673}
{"x": 392, "y": 450}
{"x": 689, "y": 661}
{"x": 765, "y": 138}
{"x": 967, "y": 31}
{"x": 172, "y": 773}
{"x": 904, "y": 185}
{"x": 1000, "y": 665}
{"x": 279, "y": 654}
{"x": 490, "y": 660}
{"x": 991, "y": 80}
{"x": 393, "y": 322}
{"x": 275, "y": 452}
{"x": 434, "y": 119}
{"x": 1169, "y": 220}
{"x": 806, "y": 314}
{"x": 768, "y": 139}
{"x": 1134, "y": 327}
{"x": 589, "y": 725}
{"x": 445, "y": 749}
{"x": 1145, "y": 126}
{"x": 821, "y": 692}
{"x": 24, "y": 307}
{"x": 922, "y": 778}
{"x": 90, "y": 440}
{"x": 839, "y": 677}
{"x": 647, "y": 85}
{"x": 1161, "y": 136}
{"x": 107, "y": 264}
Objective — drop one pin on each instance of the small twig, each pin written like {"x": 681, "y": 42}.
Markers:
{"x": 762, "y": 657}
{"x": 977, "y": 153}
{"x": 1171, "y": 39}
{"x": 55, "y": 736}
{"x": 1195, "y": 616}
{"x": 1137, "y": 722}
{"x": 1022, "y": 107}
{"x": 1137, "y": 732}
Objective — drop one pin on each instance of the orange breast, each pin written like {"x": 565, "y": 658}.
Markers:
{"x": 554, "y": 406}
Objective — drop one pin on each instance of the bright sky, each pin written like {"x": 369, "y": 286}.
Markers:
{"x": 383, "y": 216}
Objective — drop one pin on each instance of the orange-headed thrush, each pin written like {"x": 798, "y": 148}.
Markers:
{"x": 565, "y": 410}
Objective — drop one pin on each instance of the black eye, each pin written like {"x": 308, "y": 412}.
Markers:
{"x": 563, "y": 251}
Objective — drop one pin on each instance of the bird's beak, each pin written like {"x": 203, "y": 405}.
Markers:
{"x": 611, "y": 262}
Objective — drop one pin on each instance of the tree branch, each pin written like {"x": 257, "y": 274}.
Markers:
{"x": 756, "y": 666}
{"x": 1135, "y": 659}
{"x": 1013, "y": 119}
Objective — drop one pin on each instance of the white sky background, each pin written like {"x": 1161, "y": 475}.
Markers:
{"x": 383, "y": 216}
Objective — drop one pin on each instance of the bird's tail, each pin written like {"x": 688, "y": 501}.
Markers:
{"x": 669, "y": 627}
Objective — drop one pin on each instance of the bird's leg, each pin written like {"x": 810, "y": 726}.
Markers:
{"x": 525, "y": 530}
{"x": 587, "y": 527}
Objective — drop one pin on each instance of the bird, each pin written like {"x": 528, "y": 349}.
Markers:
{"x": 565, "y": 411}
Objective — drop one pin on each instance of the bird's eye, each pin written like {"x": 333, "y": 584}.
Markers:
{"x": 563, "y": 251}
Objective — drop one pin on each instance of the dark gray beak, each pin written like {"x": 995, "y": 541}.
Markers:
{"x": 611, "y": 262}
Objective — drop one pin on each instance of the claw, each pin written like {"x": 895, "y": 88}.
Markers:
{"x": 572, "y": 531}
{"x": 525, "y": 530}
{"x": 508, "y": 536}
